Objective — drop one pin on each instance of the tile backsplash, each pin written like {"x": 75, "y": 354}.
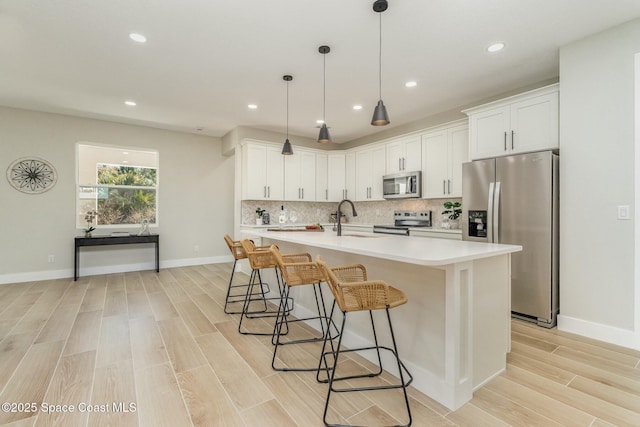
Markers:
{"x": 378, "y": 212}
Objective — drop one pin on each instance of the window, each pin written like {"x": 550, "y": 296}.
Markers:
{"x": 120, "y": 184}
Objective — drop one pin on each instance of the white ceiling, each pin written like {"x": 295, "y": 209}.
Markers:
{"x": 205, "y": 60}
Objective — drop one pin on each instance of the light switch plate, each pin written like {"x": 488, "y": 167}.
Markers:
{"x": 623, "y": 212}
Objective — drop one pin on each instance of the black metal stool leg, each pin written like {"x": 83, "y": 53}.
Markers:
{"x": 325, "y": 323}
{"x": 263, "y": 312}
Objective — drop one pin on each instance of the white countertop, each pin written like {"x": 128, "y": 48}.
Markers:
{"x": 413, "y": 250}
{"x": 354, "y": 225}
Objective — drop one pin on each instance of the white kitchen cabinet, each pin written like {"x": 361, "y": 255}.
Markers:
{"x": 322, "y": 182}
{"x": 518, "y": 124}
{"x": 370, "y": 168}
{"x": 300, "y": 176}
{"x": 444, "y": 151}
{"x": 262, "y": 172}
{"x": 349, "y": 175}
{"x": 336, "y": 175}
{"x": 404, "y": 155}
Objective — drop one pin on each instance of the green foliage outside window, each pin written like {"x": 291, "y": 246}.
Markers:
{"x": 127, "y": 194}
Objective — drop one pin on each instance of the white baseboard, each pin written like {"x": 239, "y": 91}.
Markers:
{"x": 122, "y": 268}
{"x": 599, "y": 331}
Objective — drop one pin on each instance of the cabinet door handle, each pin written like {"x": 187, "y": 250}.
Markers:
{"x": 268, "y": 191}
{"x": 399, "y": 164}
{"x": 326, "y": 194}
{"x": 448, "y": 186}
{"x": 265, "y": 191}
{"x": 505, "y": 141}
{"x": 303, "y": 194}
{"x": 444, "y": 186}
{"x": 512, "y": 135}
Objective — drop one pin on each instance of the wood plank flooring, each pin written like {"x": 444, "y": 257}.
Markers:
{"x": 156, "y": 349}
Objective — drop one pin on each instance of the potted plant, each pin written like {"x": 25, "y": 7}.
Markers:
{"x": 259, "y": 213}
{"x": 453, "y": 210}
{"x": 89, "y": 217}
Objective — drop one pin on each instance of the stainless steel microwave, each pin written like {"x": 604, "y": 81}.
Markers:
{"x": 403, "y": 185}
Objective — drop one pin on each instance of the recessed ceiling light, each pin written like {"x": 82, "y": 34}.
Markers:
{"x": 125, "y": 161}
{"x": 495, "y": 47}
{"x": 357, "y": 107}
{"x": 125, "y": 152}
{"x": 130, "y": 103}
{"x": 138, "y": 38}
{"x": 252, "y": 106}
{"x": 411, "y": 84}
{"x": 320, "y": 121}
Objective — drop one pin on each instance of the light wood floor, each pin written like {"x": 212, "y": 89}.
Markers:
{"x": 147, "y": 349}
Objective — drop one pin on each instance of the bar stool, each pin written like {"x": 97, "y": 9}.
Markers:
{"x": 238, "y": 253}
{"x": 299, "y": 270}
{"x": 261, "y": 258}
{"x": 352, "y": 293}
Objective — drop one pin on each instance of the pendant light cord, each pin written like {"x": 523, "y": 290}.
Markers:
{"x": 380, "y": 60}
{"x": 287, "y": 110}
{"x": 324, "y": 88}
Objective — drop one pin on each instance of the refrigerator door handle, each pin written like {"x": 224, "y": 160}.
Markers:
{"x": 496, "y": 214}
{"x": 490, "y": 213}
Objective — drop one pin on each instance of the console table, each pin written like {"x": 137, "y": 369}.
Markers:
{"x": 113, "y": 240}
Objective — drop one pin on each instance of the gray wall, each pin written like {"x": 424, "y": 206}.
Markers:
{"x": 195, "y": 197}
{"x": 597, "y": 175}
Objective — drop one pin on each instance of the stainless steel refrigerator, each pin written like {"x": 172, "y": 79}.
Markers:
{"x": 514, "y": 200}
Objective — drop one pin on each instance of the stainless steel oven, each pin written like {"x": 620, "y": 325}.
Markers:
{"x": 403, "y": 221}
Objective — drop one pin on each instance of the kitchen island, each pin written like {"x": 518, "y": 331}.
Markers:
{"x": 454, "y": 332}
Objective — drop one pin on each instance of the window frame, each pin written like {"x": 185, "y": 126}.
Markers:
{"x": 80, "y": 222}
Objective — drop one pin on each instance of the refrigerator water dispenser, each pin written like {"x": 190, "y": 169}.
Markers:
{"x": 478, "y": 223}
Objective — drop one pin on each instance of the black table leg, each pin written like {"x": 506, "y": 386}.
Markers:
{"x": 158, "y": 255}
{"x": 75, "y": 262}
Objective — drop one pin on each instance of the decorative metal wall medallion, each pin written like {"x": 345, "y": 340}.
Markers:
{"x": 32, "y": 175}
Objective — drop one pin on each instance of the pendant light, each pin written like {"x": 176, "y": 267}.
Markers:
{"x": 287, "y": 149}
{"x": 324, "y": 137}
{"x": 380, "y": 116}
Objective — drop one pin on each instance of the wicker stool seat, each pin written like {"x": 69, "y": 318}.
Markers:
{"x": 238, "y": 297}
{"x": 260, "y": 258}
{"x": 353, "y": 292}
{"x": 299, "y": 270}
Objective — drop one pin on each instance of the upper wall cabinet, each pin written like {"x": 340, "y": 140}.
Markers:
{"x": 322, "y": 178}
{"x": 443, "y": 153}
{"x": 300, "y": 176}
{"x": 370, "y": 167}
{"x": 336, "y": 186}
{"x": 518, "y": 124}
{"x": 349, "y": 175}
{"x": 404, "y": 155}
{"x": 262, "y": 172}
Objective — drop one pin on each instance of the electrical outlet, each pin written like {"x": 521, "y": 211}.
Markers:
{"x": 196, "y": 248}
{"x": 51, "y": 258}
{"x": 623, "y": 212}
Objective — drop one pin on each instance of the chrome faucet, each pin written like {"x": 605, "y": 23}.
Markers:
{"x": 340, "y": 213}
